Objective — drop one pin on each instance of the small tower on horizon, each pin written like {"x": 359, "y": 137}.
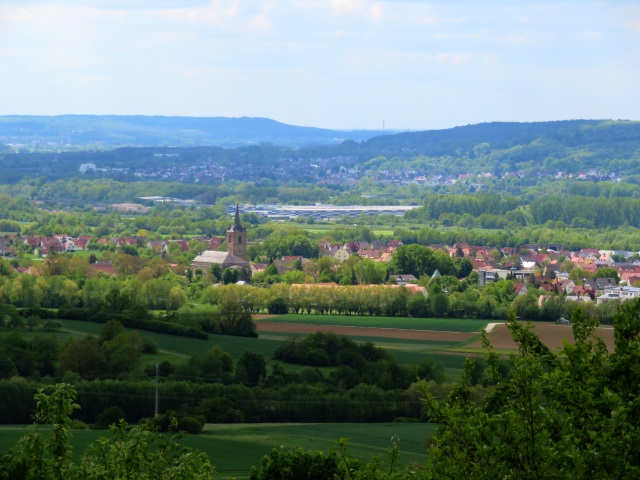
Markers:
{"x": 237, "y": 238}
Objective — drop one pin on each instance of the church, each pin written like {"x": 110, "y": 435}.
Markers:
{"x": 236, "y": 255}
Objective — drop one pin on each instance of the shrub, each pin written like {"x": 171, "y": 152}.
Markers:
{"x": 108, "y": 417}
{"x": 193, "y": 425}
{"x": 78, "y": 425}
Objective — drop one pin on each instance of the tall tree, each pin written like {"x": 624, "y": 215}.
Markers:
{"x": 567, "y": 415}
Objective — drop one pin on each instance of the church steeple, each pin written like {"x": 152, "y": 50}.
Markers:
{"x": 237, "y": 226}
{"x": 236, "y": 237}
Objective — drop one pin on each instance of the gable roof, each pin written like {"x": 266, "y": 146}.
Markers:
{"x": 224, "y": 259}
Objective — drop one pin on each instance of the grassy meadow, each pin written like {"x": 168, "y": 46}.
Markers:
{"x": 233, "y": 449}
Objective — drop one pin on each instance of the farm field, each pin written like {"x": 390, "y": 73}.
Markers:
{"x": 233, "y": 449}
{"x": 551, "y": 335}
{"x": 183, "y": 346}
{"x": 410, "y": 323}
{"x": 448, "y": 341}
{"x": 447, "y": 337}
{"x": 173, "y": 348}
{"x": 324, "y": 228}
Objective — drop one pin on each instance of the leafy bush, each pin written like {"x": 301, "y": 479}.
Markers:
{"x": 108, "y": 417}
{"x": 193, "y": 425}
{"x": 284, "y": 464}
{"x": 78, "y": 425}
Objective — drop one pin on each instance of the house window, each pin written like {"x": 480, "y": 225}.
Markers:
{"x": 240, "y": 239}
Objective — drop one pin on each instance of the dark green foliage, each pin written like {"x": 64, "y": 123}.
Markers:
{"x": 277, "y": 306}
{"x": 221, "y": 410}
{"x": 429, "y": 369}
{"x": 419, "y": 260}
{"x": 250, "y": 369}
{"x": 318, "y": 349}
{"x": 109, "y": 416}
{"x": 214, "y": 366}
{"x": 126, "y": 453}
{"x": 568, "y": 415}
{"x": 149, "y": 346}
{"x": 235, "y": 320}
{"x": 191, "y": 424}
{"x": 357, "y": 363}
{"x": 229, "y": 318}
{"x": 283, "y": 464}
{"x": 34, "y": 358}
{"x": 137, "y": 317}
{"x": 230, "y": 276}
{"x": 8, "y": 315}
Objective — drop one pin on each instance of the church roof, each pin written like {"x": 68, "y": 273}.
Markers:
{"x": 237, "y": 226}
{"x": 224, "y": 259}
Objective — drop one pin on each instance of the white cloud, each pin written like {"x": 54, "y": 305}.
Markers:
{"x": 341, "y": 7}
{"x": 314, "y": 61}
{"x": 376, "y": 12}
{"x": 453, "y": 58}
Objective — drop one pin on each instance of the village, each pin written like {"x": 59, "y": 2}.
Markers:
{"x": 588, "y": 275}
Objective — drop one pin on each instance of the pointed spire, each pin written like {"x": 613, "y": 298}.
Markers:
{"x": 237, "y": 226}
{"x": 236, "y": 220}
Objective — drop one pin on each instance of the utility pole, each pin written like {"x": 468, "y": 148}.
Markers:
{"x": 157, "y": 369}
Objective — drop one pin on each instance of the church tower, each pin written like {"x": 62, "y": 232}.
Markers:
{"x": 237, "y": 238}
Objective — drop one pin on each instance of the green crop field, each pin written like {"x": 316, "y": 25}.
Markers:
{"x": 233, "y": 449}
{"x": 325, "y": 228}
{"x": 181, "y": 346}
{"x": 410, "y": 323}
{"x": 406, "y": 351}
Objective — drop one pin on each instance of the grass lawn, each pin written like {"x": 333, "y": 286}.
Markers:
{"x": 436, "y": 324}
{"x": 34, "y": 258}
{"x": 233, "y": 449}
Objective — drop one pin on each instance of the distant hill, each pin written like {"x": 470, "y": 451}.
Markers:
{"x": 589, "y": 149}
{"x": 505, "y": 135}
{"x": 110, "y": 131}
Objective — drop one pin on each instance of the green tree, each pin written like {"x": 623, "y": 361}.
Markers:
{"x": 250, "y": 369}
{"x": 567, "y": 415}
{"x": 83, "y": 356}
{"x": 607, "y": 273}
{"x": 122, "y": 353}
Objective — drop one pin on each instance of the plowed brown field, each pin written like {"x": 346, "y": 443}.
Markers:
{"x": 551, "y": 335}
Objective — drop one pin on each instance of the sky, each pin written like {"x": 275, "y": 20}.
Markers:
{"x": 344, "y": 64}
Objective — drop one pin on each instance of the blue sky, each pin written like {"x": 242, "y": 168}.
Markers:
{"x": 325, "y": 63}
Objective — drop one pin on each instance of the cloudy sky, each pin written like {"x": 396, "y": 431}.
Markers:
{"x": 325, "y": 63}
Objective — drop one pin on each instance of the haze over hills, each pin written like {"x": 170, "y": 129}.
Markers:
{"x": 111, "y": 131}
{"x": 610, "y": 149}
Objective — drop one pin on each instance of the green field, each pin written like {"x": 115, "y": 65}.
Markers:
{"x": 174, "y": 348}
{"x": 326, "y": 228}
{"x": 410, "y": 323}
{"x": 183, "y": 346}
{"x": 406, "y": 351}
{"x": 233, "y": 449}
